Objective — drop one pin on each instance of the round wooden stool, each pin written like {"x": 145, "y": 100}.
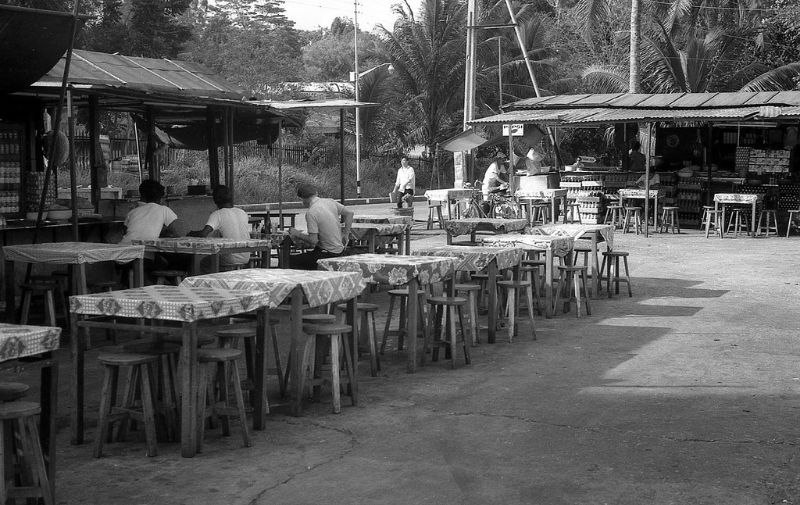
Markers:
{"x": 365, "y": 314}
{"x": 613, "y": 215}
{"x": 441, "y": 323}
{"x": 18, "y": 422}
{"x": 435, "y": 211}
{"x": 514, "y": 290}
{"x": 214, "y": 374}
{"x": 633, "y": 215}
{"x": 11, "y": 391}
{"x": 330, "y": 335}
{"x": 573, "y": 214}
{"x": 471, "y": 291}
{"x": 791, "y": 224}
{"x": 770, "y": 225}
{"x": 669, "y": 220}
{"x": 572, "y": 283}
{"x": 738, "y": 223}
{"x": 611, "y": 261}
{"x": 400, "y": 295}
{"x": 713, "y": 222}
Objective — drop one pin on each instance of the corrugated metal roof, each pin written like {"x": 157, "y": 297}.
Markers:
{"x": 315, "y": 104}
{"x": 582, "y": 117}
{"x": 143, "y": 75}
{"x": 660, "y": 100}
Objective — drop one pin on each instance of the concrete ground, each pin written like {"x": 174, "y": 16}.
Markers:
{"x": 686, "y": 393}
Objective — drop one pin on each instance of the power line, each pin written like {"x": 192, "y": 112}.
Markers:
{"x": 714, "y": 7}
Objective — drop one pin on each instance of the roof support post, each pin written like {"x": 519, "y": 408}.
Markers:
{"x": 341, "y": 155}
{"x": 647, "y": 183}
{"x": 94, "y": 144}
{"x": 213, "y": 155}
{"x": 73, "y": 182}
{"x": 153, "y": 172}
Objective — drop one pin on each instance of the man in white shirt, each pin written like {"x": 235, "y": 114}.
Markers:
{"x": 229, "y": 222}
{"x": 405, "y": 183}
{"x": 324, "y": 225}
{"x": 495, "y": 179}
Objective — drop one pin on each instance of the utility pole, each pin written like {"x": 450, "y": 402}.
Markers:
{"x": 357, "y": 111}
{"x": 469, "y": 88}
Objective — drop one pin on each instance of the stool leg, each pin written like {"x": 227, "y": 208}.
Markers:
{"x": 511, "y": 308}
{"x": 370, "y": 331}
{"x": 586, "y": 293}
{"x": 473, "y": 316}
{"x": 335, "y": 386}
{"x": 451, "y": 323}
{"x": 576, "y": 278}
{"x": 465, "y": 346}
{"x": 529, "y": 296}
{"x": 616, "y": 275}
{"x": 26, "y": 304}
{"x": 239, "y": 398}
{"x": 388, "y": 323}
{"x": 147, "y": 410}
{"x": 105, "y": 409}
{"x": 627, "y": 276}
{"x": 33, "y": 453}
{"x": 281, "y": 382}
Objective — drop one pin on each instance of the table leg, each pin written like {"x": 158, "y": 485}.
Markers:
{"x": 138, "y": 272}
{"x": 81, "y": 280}
{"x": 77, "y": 347}
{"x": 371, "y": 242}
{"x": 492, "y": 281}
{"x": 553, "y": 211}
{"x": 214, "y": 265}
{"x": 260, "y": 403}
{"x": 48, "y": 399}
{"x": 10, "y": 291}
{"x": 753, "y": 220}
{"x": 189, "y": 390}
{"x": 408, "y": 240}
{"x": 411, "y": 325}
{"x": 296, "y": 351}
{"x": 564, "y": 204}
{"x": 352, "y": 362}
{"x": 548, "y": 283}
{"x": 595, "y": 268}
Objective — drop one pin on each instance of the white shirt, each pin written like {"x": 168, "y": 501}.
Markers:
{"x": 231, "y": 223}
{"x": 324, "y": 218}
{"x": 146, "y": 221}
{"x": 406, "y": 178}
{"x": 491, "y": 173}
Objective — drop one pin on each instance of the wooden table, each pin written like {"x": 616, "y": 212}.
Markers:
{"x": 398, "y": 270}
{"x": 21, "y": 341}
{"x": 739, "y": 199}
{"x": 76, "y": 255}
{"x": 641, "y": 194}
{"x": 456, "y": 227}
{"x": 198, "y": 247}
{"x": 552, "y": 245}
{"x": 373, "y": 233}
{"x": 595, "y": 232}
{"x": 407, "y": 220}
{"x": 185, "y": 305}
{"x": 451, "y": 196}
{"x": 264, "y": 215}
{"x": 492, "y": 260}
{"x": 550, "y": 195}
{"x": 315, "y": 288}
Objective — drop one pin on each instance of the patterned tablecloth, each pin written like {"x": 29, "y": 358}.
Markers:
{"x": 199, "y": 245}
{"x": 738, "y": 198}
{"x": 409, "y": 220}
{"x": 475, "y": 258}
{"x": 394, "y": 270}
{"x": 170, "y": 303}
{"x": 444, "y": 195}
{"x": 17, "y": 341}
{"x": 544, "y": 194}
{"x": 319, "y": 287}
{"x": 67, "y": 253}
{"x": 559, "y": 245}
{"x": 456, "y": 227}
{"x": 360, "y": 231}
{"x": 637, "y": 193}
{"x": 577, "y": 231}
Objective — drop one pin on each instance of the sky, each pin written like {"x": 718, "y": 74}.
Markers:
{"x": 311, "y": 14}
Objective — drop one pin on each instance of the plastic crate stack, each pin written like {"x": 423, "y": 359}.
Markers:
{"x": 689, "y": 197}
{"x": 593, "y": 206}
{"x": 789, "y": 197}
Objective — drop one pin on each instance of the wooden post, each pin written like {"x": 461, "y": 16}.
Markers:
{"x": 341, "y": 155}
{"x": 94, "y": 145}
{"x": 211, "y": 138}
{"x": 73, "y": 183}
{"x": 150, "y": 154}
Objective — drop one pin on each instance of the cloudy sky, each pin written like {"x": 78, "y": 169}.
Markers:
{"x": 310, "y": 14}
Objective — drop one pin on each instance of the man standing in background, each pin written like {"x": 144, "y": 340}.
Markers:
{"x": 405, "y": 183}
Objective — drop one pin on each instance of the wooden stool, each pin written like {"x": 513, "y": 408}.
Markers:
{"x": 18, "y": 421}
{"x": 331, "y": 334}
{"x": 706, "y": 209}
{"x": 11, "y": 391}
{"x": 669, "y": 219}
{"x": 738, "y": 222}
{"x": 46, "y": 289}
{"x": 540, "y": 213}
{"x": 482, "y": 278}
{"x": 366, "y": 326}
{"x": 713, "y": 222}
{"x": 319, "y": 318}
{"x": 243, "y": 338}
{"x": 573, "y": 278}
{"x": 634, "y": 213}
{"x": 573, "y": 209}
{"x": 514, "y": 290}
{"x": 437, "y": 209}
{"x": 610, "y": 257}
{"x": 791, "y": 224}
{"x": 442, "y": 317}
{"x": 174, "y": 276}
{"x": 141, "y": 372}
{"x": 531, "y": 270}
{"x": 614, "y": 215}
{"x": 401, "y": 330}
{"x": 61, "y": 284}
{"x": 471, "y": 291}
{"x": 771, "y": 222}
{"x": 214, "y": 374}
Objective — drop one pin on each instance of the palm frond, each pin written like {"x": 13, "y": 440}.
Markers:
{"x": 590, "y": 13}
{"x": 782, "y": 78}
{"x": 605, "y": 79}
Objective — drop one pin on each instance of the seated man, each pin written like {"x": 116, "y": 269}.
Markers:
{"x": 325, "y": 234}
{"x": 229, "y": 222}
{"x": 495, "y": 181}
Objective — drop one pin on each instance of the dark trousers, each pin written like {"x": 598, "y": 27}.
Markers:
{"x": 308, "y": 260}
{"x": 400, "y": 199}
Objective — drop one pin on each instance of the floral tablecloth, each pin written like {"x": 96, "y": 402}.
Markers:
{"x": 18, "y": 341}
{"x": 559, "y": 245}
{"x": 200, "y": 245}
{"x": 456, "y": 227}
{"x": 319, "y": 287}
{"x": 738, "y": 198}
{"x": 637, "y": 193}
{"x": 475, "y": 258}
{"x": 361, "y": 231}
{"x": 444, "y": 195}
{"x": 409, "y": 220}
{"x": 394, "y": 270}
{"x": 577, "y": 231}
{"x": 72, "y": 253}
{"x": 171, "y": 303}
{"x": 544, "y": 194}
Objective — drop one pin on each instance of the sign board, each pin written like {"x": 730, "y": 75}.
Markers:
{"x": 517, "y": 130}
{"x": 458, "y": 169}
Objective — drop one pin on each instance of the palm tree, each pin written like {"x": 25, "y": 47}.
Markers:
{"x": 427, "y": 56}
{"x": 634, "y": 79}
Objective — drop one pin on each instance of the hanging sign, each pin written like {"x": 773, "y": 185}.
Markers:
{"x": 517, "y": 130}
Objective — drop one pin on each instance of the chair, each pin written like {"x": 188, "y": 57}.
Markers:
{"x": 669, "y": 220}
{"x": 214, "y": 374}
{"x": 572, "y": 282}
{"x": 18, "y": 423}
{"x": 441, "y": 323}
{"x": 611, "y": 260}
{"x": 330, "y": 336}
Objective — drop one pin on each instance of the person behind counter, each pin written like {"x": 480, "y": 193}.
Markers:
{"x": 229, "y": 222}
{"x": 494, "y": 180}
{"x": 636, "y": 160}
{"x": 325, "y": 234}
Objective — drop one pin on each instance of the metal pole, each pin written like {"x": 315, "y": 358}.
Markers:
{"x": 647, "y": 182}
{"x": 358, "y": 113}
{"x": 500, "y": 68}
{"x": 341, "y": 155}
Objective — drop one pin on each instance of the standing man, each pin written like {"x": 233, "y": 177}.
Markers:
{"x": 405, "y": 183}
{"x": 324, "y": 224}
{"x": 636, "y": 160}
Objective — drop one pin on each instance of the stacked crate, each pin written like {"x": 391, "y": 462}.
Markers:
{"x": 592, "y": 206}
{"x": 768, "y": 161}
